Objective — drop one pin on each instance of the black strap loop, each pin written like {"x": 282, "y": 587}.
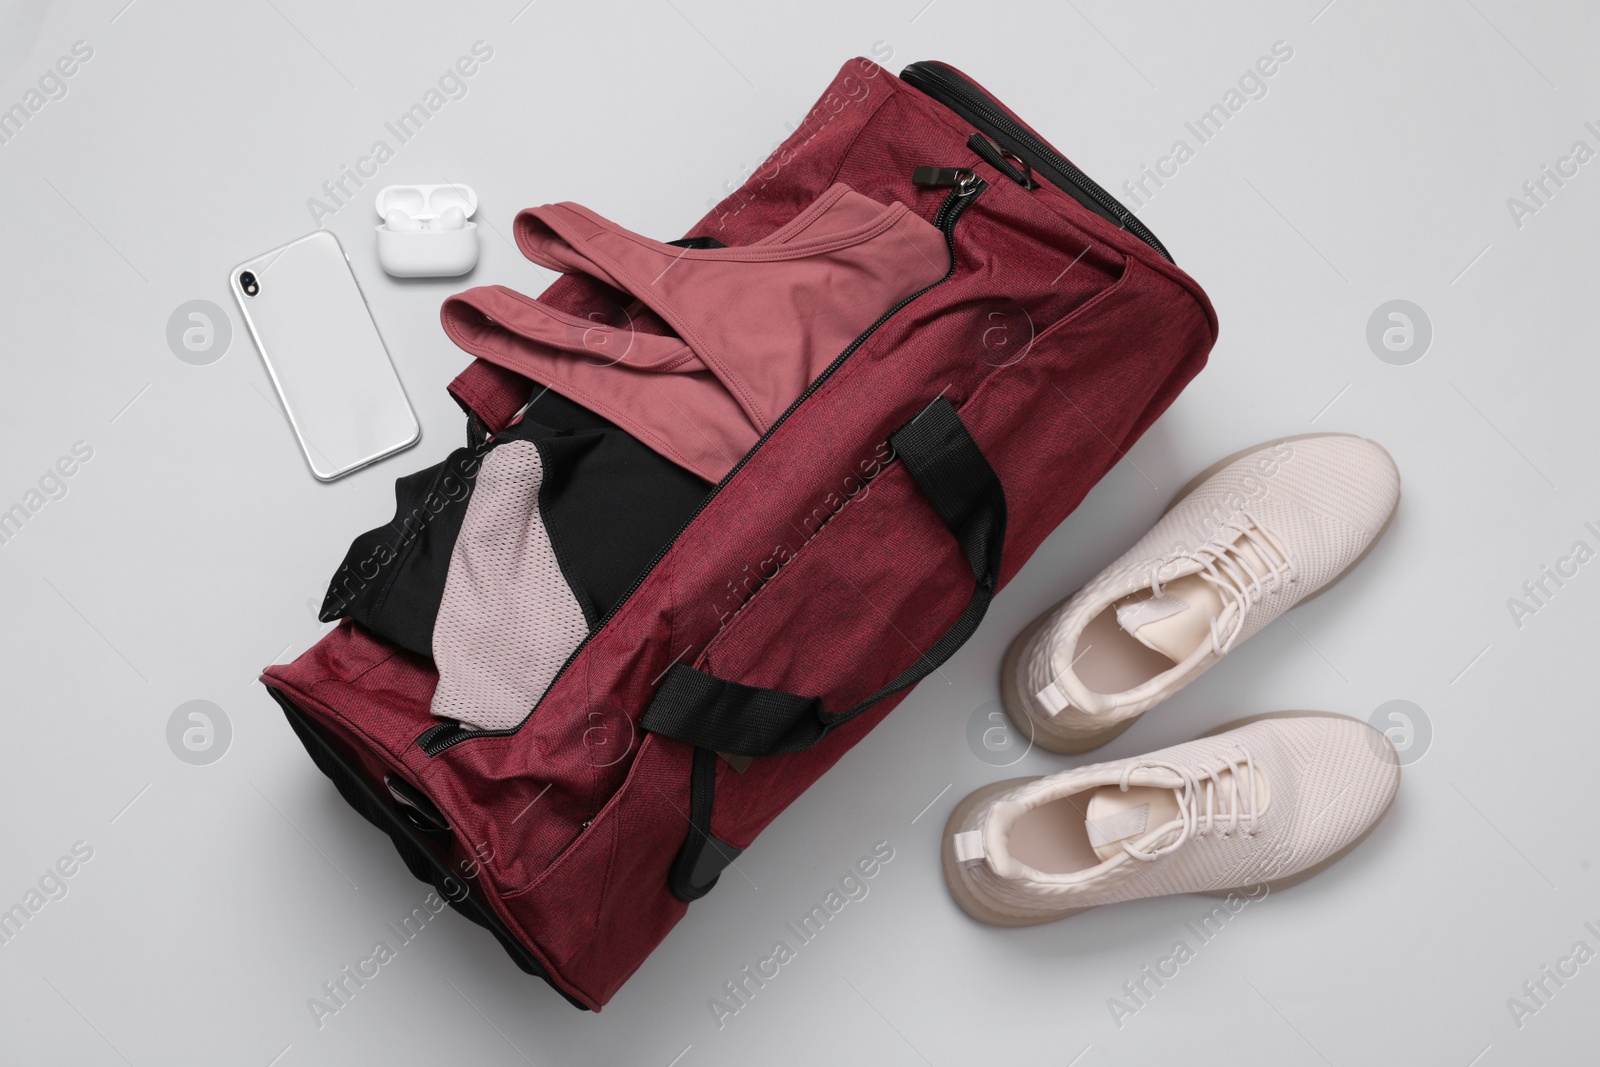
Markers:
{"x": 702, "y": 857}
{"x": 725, "y": 716}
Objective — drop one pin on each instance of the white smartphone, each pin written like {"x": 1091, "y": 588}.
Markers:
{"x": 316, "y": 335}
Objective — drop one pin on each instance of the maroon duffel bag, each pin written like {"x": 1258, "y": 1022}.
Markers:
{"x": 847, "y": 554}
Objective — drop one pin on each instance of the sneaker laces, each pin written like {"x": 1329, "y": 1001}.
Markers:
{"x": 1242, "y": 805}
{"x": 1236, "y": 577}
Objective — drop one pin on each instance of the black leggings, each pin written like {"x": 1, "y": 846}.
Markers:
{"x": 609, "y": 503}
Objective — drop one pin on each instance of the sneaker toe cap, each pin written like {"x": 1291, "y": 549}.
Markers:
{"x": 1350, "y": 478}
{"x": 1356, "y": 772}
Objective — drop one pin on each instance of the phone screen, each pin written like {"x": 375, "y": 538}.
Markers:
{"x": 322, "y": 349}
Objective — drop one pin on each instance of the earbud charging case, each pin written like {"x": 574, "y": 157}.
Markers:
{"x": 427, "y": 253}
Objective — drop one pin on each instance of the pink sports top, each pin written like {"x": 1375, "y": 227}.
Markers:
{"x": 753, "y": 325}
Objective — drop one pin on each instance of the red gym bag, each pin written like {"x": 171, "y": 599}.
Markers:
{"x": 844, "y": 556}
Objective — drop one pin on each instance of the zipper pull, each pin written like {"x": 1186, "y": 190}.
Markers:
{"x": 944, "y": 177}
{"x": 1008, "y": 163}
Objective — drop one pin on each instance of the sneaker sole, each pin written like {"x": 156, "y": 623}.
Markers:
{"x": 1077, "y": 743}
{"x": 983, "y": 913}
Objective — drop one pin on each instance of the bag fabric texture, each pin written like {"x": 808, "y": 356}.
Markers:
{"x": 666, "y": 663}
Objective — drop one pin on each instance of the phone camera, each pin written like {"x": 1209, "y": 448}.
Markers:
{"x": 247, "y": 282}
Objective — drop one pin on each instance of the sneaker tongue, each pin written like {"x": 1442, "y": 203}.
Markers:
{"x": 1113, "y": 816}
{"x": 1176, "y": 622}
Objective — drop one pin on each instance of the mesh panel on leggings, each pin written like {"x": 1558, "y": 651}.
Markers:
{"x": 508, "y": 620}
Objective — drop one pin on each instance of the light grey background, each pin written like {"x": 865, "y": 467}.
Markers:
{"x": 188, "y": 552}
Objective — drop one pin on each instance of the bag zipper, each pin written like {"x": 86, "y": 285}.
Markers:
{"x": 978, "y": 108}
{"x": 437, "y": 738}
{"x": 1006, "y": 163}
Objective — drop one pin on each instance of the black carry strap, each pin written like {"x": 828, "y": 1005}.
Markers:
{"x": 724, "y": 716}
{"x": 702, "y": 857}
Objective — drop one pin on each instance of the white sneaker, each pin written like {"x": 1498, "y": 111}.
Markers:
{"x": 1269, "y": 802}
{"x": 1247, "y": 540}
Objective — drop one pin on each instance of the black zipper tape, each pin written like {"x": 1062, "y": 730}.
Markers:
{"x": 977, "y": 107}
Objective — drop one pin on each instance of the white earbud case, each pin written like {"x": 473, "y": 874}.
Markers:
{"x": 427, "y": 251}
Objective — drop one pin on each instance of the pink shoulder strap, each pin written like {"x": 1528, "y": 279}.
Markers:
{"x": 754, "y": 325}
